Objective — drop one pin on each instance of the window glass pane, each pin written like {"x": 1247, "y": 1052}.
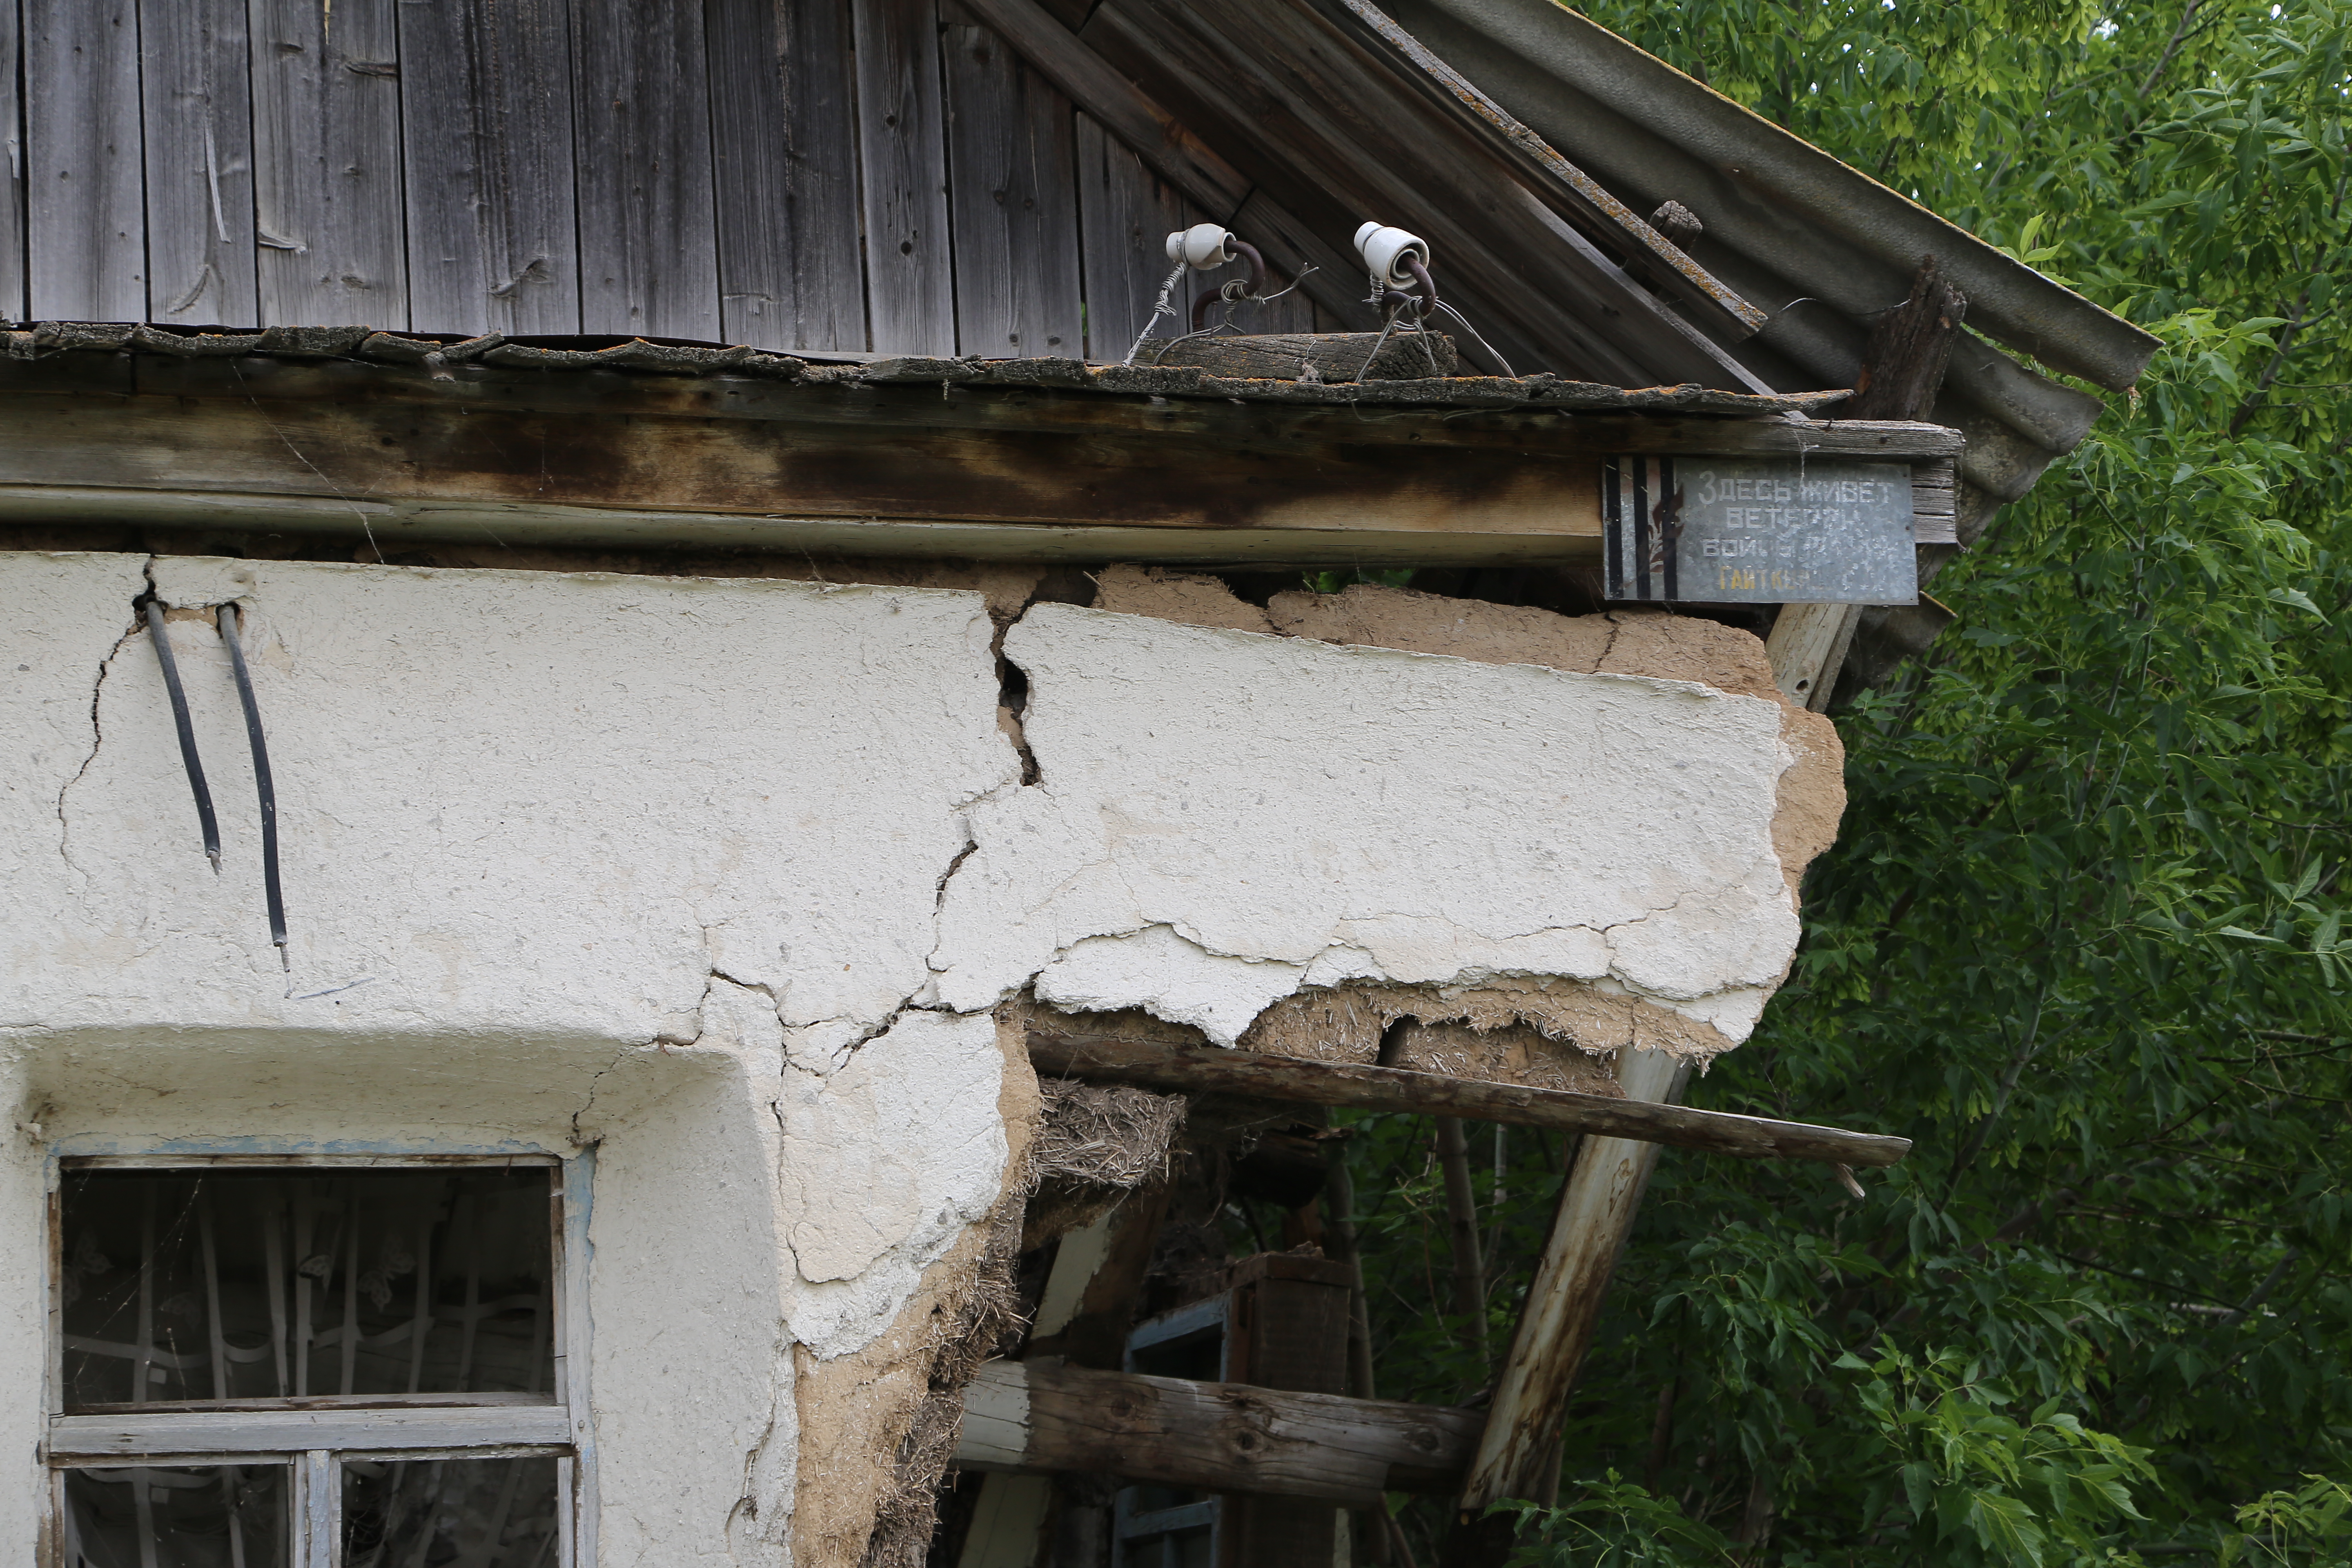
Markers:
{"x": 159, "y": 1517}
{"x": 187, "y": 1287}
{"x": 484, "y": 1513}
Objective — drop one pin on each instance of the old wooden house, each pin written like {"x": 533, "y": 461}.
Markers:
{"x": 707, "y": 725}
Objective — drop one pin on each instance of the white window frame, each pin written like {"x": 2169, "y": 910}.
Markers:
{"x": 312, "y": 1437}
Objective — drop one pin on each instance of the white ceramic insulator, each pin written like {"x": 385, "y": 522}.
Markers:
{"x": 1201, "y": 247}
{"x": 1384, "y": 251}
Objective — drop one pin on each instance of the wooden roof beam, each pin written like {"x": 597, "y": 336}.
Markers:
{"x": 1658, "y": 259}
{"x": 1312, "y": 115}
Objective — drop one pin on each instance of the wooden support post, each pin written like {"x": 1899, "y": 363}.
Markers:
{"x": 1909, "y": 348}
{"x": 1518, "y": 1454}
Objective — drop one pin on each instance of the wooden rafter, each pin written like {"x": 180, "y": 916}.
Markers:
{"x": 1210, "y": 1069}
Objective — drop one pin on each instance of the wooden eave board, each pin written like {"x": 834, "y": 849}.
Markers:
{"x": 478, "y": 453}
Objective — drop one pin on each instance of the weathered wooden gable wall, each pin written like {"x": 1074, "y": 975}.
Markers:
{"x": 822, "y": 175}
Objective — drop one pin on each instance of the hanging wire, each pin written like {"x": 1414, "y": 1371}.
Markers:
{"x": 1162, "y": 307}
{"x": 163, "y": 655}
{"x": 1475, "y": 338}
{"x": 268, "y": 791}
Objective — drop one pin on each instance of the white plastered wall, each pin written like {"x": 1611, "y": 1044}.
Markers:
{"x": 724, "y": 877}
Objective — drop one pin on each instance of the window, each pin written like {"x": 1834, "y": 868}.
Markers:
{"x": 281, "y": 1362}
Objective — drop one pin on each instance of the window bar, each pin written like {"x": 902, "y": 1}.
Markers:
{"x": 212, "y": 1297}
{"x": 486, "y": 1550}
{"x": 304, "y": 1220}
{"x": 473, "y": 1293}
{"x": 272, "y": 1212}
{"x": 540, "y": 1313}
{"x": 352, "y": 1294}
{"x": 422, "y": 1323}
{"x": 143, "y": 1364}
{"x": 232, "y": 1495}
{"x": 143, "y": 1503}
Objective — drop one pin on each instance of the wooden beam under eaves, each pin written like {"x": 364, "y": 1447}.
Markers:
{"x": 1152, "y": 1064}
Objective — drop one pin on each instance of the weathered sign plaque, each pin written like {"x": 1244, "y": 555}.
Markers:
{"x": 1740, "y": 530}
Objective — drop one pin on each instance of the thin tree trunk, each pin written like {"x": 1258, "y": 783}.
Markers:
{"x": 1374, "y": 1527}
{"x": 1462, "y": 1229}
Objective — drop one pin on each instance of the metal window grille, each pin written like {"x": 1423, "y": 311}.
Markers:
{"x": 312, "y": 1362}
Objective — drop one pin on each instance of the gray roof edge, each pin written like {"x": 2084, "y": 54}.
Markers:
{"x": 2008, "y": 300}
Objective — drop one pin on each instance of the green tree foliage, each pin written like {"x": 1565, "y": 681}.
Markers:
{"x": 2082, "y": 936}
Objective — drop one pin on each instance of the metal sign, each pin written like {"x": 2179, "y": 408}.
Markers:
{"x": 1770, "y": 532}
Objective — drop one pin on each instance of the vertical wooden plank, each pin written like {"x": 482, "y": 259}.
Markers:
{"x": 86, "y": 253}
{"x": 784, "y": 137}
{"x": 326, "y": 156}
{"x": 196, "y": 101}
{"x": 485, "y": 142}
{"x": 12, "y": 167}
{"x": 909, "y": 279}
{"x": 1125, "y": 215}
{"x": 1012, "y": 199}
{"x": 649, "y": 260}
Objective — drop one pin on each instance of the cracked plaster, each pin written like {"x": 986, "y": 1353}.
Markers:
{"x": 722, "y": 878}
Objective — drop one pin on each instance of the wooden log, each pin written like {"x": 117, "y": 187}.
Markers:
{"x": 1333, "y": 356}
{"x": 1909, "y": 348}
{"x": 1518, "y": 1452}
{"x": 1253, "y": 1074}
{"x": 1045, "y": 1416}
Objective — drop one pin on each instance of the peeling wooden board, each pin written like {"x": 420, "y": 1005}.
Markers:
{"x": 1013, "y": 183}
{"x": 644, "y": 171}
{"x": 86, "y": 245}
{"x": 196, "y": 91}
{"x": 486, "y": 114}
{"x": 1217, "y": 1437}
{"x": 326, "y": 158}
{"x": 909, "y": 286}
{"x": 784, "y": 137}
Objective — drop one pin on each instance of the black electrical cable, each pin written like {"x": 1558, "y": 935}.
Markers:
{"x": 228, "y": 631}
{"x": 204, "y": 817}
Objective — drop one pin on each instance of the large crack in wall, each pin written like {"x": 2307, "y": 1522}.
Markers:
{"x": 813, "y": 838}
